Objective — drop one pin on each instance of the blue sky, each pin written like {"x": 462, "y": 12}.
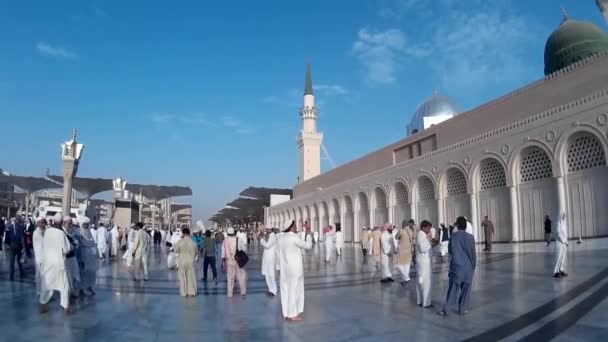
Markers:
{"x": 207, "y": 93}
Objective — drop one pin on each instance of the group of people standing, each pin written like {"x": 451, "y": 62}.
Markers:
{"x": 66, "y": 259}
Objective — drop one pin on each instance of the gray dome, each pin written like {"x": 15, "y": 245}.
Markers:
{"x": 435, "y": 106}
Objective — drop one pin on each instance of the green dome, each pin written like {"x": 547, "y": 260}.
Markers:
{"x": 573, "y": 41}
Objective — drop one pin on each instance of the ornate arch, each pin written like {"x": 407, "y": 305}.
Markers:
{"x": 561, "y": 149}
{"x": 516, "y": 157}
{"x": 474, "y": 176}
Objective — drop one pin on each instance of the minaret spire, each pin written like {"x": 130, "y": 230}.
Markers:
{"x": 564, "y": 13}
{"x": 308, "y": 82}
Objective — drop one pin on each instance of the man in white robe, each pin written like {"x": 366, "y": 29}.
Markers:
{"x": 140, "y": 248}
{"x": 289, "y": 246}
{"x": 339, "y": 241}
{"x": 72, "y": 260}
{"x": 172, "y": 257}
{"x": 328, "y": 240}
{"x": 114, "y": 241}
{"x": 388, "y": 245}
{"x": 242, "y": 237}
{"x": 102, "y": 241}
{"x": 423, "y": 265}
{"x": 54, "y": 272}
{"x": 269, "y": 262}
{"x": 38, "y": 242}
{"x": 315, "y": 236}
{"x": 88, "y": 257}
{"x": 130, "y": 245}
{"x": 561, "y": 247}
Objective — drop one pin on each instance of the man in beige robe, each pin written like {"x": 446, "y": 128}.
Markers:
{"x": 376, "y": 245}
{"x": 186, "y": 251}
{"x": 488, "y": 232}
{"x": 365, "y": 240}
{"x": 405, "y": 250}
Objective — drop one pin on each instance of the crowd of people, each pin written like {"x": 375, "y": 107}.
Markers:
{"x": 67, "y": 254}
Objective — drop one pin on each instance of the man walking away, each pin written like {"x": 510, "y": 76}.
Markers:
{"x": 462, "y": 266}
{"x": 561, "y": 244}
{"x": 208, "y": 253}
{"x": 488, "y": 232}
{"x": 16, "y": 236}
{"x": 547, "y": 230}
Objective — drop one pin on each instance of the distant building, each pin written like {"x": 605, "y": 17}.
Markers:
{"x": 540, "y": 150}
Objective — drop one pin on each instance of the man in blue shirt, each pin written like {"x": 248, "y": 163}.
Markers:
{"x": 462, "y": 266}
{"x": 16, "y": 237}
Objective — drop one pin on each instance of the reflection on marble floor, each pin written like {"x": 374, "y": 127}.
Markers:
{"x": 513, "y": 297}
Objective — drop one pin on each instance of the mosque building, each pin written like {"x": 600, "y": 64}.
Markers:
{"x": 539, "y": 150}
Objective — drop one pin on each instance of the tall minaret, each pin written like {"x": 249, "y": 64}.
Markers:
{"x": 603, "y": 6}
{"x": 309, "y": 140}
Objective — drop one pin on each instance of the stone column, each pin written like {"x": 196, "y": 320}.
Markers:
{"x": 514, "y": 213}
{"x": 474, "y": 215}
{"x": 413, "y": 212}
{"x": 68, "y": 176}
{"x": 562, "y": 202}
{"x": 440, "y": 209}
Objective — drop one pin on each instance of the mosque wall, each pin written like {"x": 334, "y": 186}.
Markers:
{"x": 546, "y": 163}
{"x": 554, "y": 90}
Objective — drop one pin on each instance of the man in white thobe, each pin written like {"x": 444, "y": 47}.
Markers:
{"x": 114, "y": 241}
{"x": 289, "y": 246}
{"x": 339, "y": 241}
{"x": 38, "y": 242}
{"x": 328, "y": 240}
{"x": 140, "y": 250}
{"x": 423, "y": 265}
{"x": 88, "y": 257}
{"x": 102, "y": 241}
{"x": 242, "y": 238}
{"x": 269, "y": 262}
{"x": 130, "y": 245}
{"x": 72, "y": 260}
{"x": 54, "y": 272}
{"x": 387, "y": 245}
{"x": 561, "y": 246}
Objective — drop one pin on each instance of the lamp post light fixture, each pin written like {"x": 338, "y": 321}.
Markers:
{"x": 71, "y": 152}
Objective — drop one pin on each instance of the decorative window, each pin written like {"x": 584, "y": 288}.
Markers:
{"x": 457, "y": 183}
{"x": 325, "y": 210}
{"x": 492, "y": 174}
{"x": 363, "y": 202}
{"x": 401, "y": 195}
{"x": 426, "y": 189}
{"x": 380, "y": 198}
{"x": 535, "y": 164}
{"x": 349, "y": 204}
{"x": 584, "y": 152}
{"x": 336, "y": 207}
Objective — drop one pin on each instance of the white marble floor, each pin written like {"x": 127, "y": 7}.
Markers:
{"x": 514, "y": 297}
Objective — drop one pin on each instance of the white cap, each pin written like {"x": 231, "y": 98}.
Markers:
{"x": 67, "y": 218}
{"x": 57, "y": 218}
{"x": 85, "y": 220}
{"x": 230, "y": 231}
{"x": 40, "y": 218}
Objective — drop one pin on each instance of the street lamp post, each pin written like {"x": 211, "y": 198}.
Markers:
{"x": 71, "y": 152}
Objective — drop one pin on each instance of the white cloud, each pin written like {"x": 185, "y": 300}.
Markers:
{"x": 468, "y": 44}
{"x": 229, "y": 121}
{"x": 161, "y": 118}
{"x": 330, "y": 89}
{"x": 381, "y": 53}
{"x": 55, "y": 51}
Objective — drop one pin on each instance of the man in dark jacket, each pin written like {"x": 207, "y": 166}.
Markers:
{"x": 16, "y": 236}
{"x": 462, "y": 266}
